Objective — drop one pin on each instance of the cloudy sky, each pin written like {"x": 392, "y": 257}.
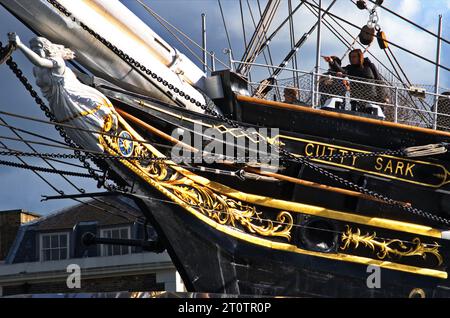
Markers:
{"x": 20, "y": 189}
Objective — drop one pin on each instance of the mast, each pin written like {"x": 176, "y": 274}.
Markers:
{"x": 437, "y": 72}
{"x": 204, "y": 55}
{"x": 126, "y": 32}
{"x": 264, "y": 84}
{"x": 258, "y": 37}
{"x": 318, "y": 49}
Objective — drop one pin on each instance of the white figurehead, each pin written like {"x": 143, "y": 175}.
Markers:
{"x": 71, "y": 101}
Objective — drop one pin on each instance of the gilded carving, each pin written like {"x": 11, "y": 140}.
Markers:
{"x": 220, "y": 208}
{"x": 386, "y": 248}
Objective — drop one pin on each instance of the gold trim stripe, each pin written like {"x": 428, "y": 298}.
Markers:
{"x": 284, "y": 246}
{"x": 330, "y": 163}
{"x": 293, "y": 206}
{"x": 313, "y": 210}
{"x": 276, "y": 245}
{"x": 385, "y": 175}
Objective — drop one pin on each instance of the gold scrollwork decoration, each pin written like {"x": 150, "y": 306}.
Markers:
{"x": 220, "y": 208}
{"x": 386, "y": 248}
{"x": 228, "y": 211}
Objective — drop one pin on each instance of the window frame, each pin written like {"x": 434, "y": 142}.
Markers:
{"x": 50, "y": 234}
{"x": 118, "y": 228}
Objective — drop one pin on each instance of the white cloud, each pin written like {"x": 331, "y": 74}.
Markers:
{"x": 423, "y": 12}
{"x": 410, "y": 8}
{"x": 186, "y": 15}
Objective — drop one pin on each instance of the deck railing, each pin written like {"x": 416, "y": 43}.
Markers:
{"x": 414, "y": 105}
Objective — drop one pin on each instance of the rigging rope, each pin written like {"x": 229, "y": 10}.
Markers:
{"x": 93, "y": 172}
{"x": 399, "y": 152}
{"x": 243, "y": 24}
{"x": 344, "y": 41}
{"x": 268, "y": 49}
{"x": 161, "y": 20}
{"x": 27, "y": 141}
{"x": 13, "y": 128}
{"x": 54, "y": 160}
{"x": 387, "y": 41}
{"x": 399, "y": 66}
{"x": 394, "y": 67}
{"x": 73, "y": 127}
{"x": 34, "y": 169}
{"x": 157, "y": 17}
{"x": 411, "y": 22}
{"x": 28, "y": 144}
{"x": 62, "y": 173}
{"x": 287, "y": 155}
{"x": 226, "y": 29}
{"x": 254, "y": 25}
{"x": 265, "y": 34}
{"x": 35, "y": 172}
{"x": 13, "y": 66}
{"x": 292, "y": 37}
{"x": 270, "y": 37}
{"x": 299, "y": 44}
{"x": 102, "y": 156}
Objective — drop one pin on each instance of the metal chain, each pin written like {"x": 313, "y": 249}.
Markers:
{"x": 70, "y": 156}
{"x": 42, "y": 169}
{"x": 78, "y": 153}
{"x": 287, "y": 155}
{"x": 155, "y": 159}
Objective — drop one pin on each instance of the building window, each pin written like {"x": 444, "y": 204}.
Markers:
{"x": 115, "y": 233}
{"x": 54, "y": 246}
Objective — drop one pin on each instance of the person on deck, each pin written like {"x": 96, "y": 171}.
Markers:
{"x": 291, "y": 95}
{"x": 332, "y": 87}
{"x": 361, "y": 69}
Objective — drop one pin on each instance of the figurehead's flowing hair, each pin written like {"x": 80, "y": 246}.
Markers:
{"x": 53, "y": 50}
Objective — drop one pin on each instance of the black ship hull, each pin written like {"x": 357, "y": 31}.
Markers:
{"x": 226, "y": 235}
{"x": 357, "y": 224}
{"x": 209, "y": 261}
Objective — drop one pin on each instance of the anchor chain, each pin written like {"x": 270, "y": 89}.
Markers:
{"x": 42, "y": 169}
{"x": 78, "y": 154}
{"x": 286, "y": 155}
{"x": 70, "y": 156}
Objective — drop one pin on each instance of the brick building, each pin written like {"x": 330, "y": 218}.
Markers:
{"x": 44, "y": 249}
{"x": 10, "y": 222}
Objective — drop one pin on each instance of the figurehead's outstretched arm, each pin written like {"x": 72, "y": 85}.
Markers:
{"x": 32, "y": 56}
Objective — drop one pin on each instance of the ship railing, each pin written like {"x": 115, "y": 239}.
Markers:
{"x": 412, "y": 105}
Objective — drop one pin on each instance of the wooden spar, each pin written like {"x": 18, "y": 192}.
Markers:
{"x": 155, "y": 130}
